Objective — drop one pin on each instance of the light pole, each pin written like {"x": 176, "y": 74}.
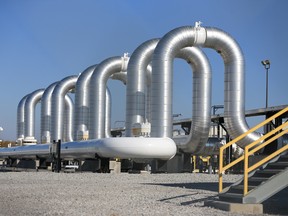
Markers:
{"x": 266, "y": 64}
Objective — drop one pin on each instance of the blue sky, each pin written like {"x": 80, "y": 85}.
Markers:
{"x": 44, "y": 41}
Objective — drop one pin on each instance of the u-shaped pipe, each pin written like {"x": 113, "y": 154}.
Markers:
{"x": 46, "y": 113}
{"x": 81, "y": 122}
{"x": 68, "y": 119}
{"x": 97, "y": 99}
{"x": 201, "y": 100}
{"x": 57, "y": 111}
{"x": 30, "y": 105}
{"x": 139, "y": 80}
{"x": 21, "y": 118}
{"x": 167, "y": 48}
{"x": 137, "y": 84}
{"x": 121, "y": 76}
{"x": 81, "y": 113}
{"x": 108, "y": 113}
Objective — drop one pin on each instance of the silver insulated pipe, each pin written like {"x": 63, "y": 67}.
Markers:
{"x": 162, "y": 62}
{"x": 68, "y": 119}
{"x": 137, "y": 84}
{"x": 201, "y": 104}
{"x": 30, "y": 104}
{"x": 98, "y": 93}
{"x": 20, "y": 119}
{"x": 57, "y": 111}
{"x": 121, "y": 76}
{"x": 46, "y": 114}
{"x": 81, "y": 112}
{"x": 108, "y": 113}
{"x": 81, "y": 121}
{"x": 139, "y": 79}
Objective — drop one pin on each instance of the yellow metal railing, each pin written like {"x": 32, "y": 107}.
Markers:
{"x": 257, "y": 146}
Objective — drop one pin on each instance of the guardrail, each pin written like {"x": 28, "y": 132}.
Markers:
{"x": 249, "y": 150}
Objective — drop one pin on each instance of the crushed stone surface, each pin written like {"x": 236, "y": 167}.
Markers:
{"x": 48, "y": 193}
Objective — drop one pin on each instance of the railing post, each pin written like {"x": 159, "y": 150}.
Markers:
{"x": 245, "y": 171}
{"x": 220, "y": 170}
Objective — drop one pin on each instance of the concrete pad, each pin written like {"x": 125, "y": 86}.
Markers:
{"x": 235, "y": 207}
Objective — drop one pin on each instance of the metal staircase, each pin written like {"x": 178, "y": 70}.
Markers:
{"x": 263, "y": 184}
{"x": 262, "y": 179}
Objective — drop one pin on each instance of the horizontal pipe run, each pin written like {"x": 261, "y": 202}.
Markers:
{"x": 122, "y": 148}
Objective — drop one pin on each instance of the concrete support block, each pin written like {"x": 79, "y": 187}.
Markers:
{"x": 235, "y": 207}
{"x": 114, "y": 166}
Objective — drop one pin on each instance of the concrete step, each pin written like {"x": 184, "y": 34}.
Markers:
{"x": 237, "y": 208}
{"x": 283, "y": 158}
{"x": 267, "y": 172}
{"x": 278, "y": 165}
{"x": 255, "y": 181}
{"x": 239, "y": 188}
{"x": 231, "y": 197}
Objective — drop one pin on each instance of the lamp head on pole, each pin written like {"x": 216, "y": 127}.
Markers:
{"x": 266, "y": 63}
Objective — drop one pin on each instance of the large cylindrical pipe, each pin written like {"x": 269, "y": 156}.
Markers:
{"x": 68, "y": 119}
{"x": 21, "y": 118}
{"x": 123, "y": 148}
{"x": 121, "y": 76}
{"x": 201, "y": 103}
{"x": 108, "y": 113}
{"x": 148, "y": 93}
{"x": 58, "y": 95}
{"x": 137, "y": 84}
{"x": 30, "y": 105}
{"x": 231, "y": 53}
{"x": 234, "y": 84}
{"x": 46, "y": 113}
{"x": 97, "y": 99}
{"x": 81, "y": 116}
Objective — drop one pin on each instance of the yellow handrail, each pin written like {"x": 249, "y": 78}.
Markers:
{"x": 257, "y": 146}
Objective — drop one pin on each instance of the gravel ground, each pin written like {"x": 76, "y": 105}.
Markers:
{"x": 47, "y": 193}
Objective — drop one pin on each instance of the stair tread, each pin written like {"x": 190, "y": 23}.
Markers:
{"x": 279, "y": 163}
{"x": 269, "y": 171}
{"x": 232, "y": 195}
{"x": 241, "y": 186}
{"x": 256, "y": 178}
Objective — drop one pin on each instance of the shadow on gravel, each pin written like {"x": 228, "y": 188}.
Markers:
{"x": 210, "y": 186}
{"x": 197, "y": 200}
{"x": 277, "y": 204}
{"x": 190, "y": 202}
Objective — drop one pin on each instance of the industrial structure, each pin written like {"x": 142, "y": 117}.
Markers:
{"x": 83, "y": 125}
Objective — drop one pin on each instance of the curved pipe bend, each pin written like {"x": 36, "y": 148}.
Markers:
{"x": 138, "y": 87}
{"x": 46, "y": 113}
{"x": 68, "y": 119}
{"x": 97, "y": 99}
{"x": 167, "y": 48}
{"x": 81, "y": 122}
{"x": 57, "y": 110}
{"x": 121, "y": 76}
{"x": 136, "y": 93}
{"x": 201, "y": 100}
{"x": 81, "y": 111}
{"x": 21, "y": 118}
{"x": 29, "y": 117}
